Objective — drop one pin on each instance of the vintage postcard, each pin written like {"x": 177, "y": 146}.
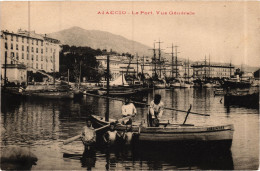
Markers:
{"x": 129, "y": 85}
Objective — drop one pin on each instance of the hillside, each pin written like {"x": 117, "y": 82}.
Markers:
{"x": 100, "y": 39}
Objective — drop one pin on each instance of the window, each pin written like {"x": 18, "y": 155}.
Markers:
{"x": 42, "y": 43}
{"x": 32, "y": 49}
{"x": 32, "y": 57}
{"x": 23, "y": 39}
{"x": 12, "y": 46}
{"x": 36, "y": 42}
{"x": 17, "y": 56}
{"x": 22, "y": 47}
{"x": 41, "y": 66}
{"x": 51, "y": 50}
{"x": 12, "y": 38}
{"x": 16, "y": 47}
{"x": 32, "y": 41}
{"x": 46, "y": 49}
{"x": 27, "y": 56}
{"x": 36, "y": 50}
{"x": 36, "y": 65}
{"x": 17, "y": 38}
{"x": 41, "y": 58}
{"x": 22, "y": 55}
{"x": 12, "y": 54}
{"x": 41, "y": 50}
{"x": 27, "y": 40}
{"x": 36, "y": 57}
{"x": 6, "y": 45}
{"x": 27, "y": 48}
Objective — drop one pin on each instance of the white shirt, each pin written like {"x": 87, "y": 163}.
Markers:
{"x": 156, "y": 108}
{"x": 89, "y": 134}
{"x": 128, "y": 109}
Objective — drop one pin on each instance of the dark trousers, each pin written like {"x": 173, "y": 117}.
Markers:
{"x": 153, "y": 122}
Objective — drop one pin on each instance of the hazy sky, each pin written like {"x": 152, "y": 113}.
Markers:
{"x": 225, "y": 30}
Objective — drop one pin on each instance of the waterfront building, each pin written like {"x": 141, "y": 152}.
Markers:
{"x": 201, "y": 70}
{"x": 123, "y": 65}
{"x": 27, "y": 51}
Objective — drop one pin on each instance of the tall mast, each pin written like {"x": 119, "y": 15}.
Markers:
{"x": 159, "y": 54}
{"x": 107, "y": 108}
{"x": 176, "y": 61}
{"x": 172, "y": 58}
{"x": 230, "y": 69}
{"x": 185, "y": 70}
{"x": 205, "y": 74}
{"x": 143, "y": 70}
{"x": 137, "y": 65}
{"x": 209, "y": 65}
{"x": 154, "y": 58}
{"x": 188, "y": 69}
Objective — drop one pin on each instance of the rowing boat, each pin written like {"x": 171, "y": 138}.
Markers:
{"x": 178, "y": 133}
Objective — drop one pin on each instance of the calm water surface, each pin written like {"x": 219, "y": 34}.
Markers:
{"x": 42, "y": 125}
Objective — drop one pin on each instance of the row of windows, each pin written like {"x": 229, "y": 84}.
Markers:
{"x": 32, "y": 48}
{"x": 13, "y": 55}
{"x": 216, "y": 73}
{"x": 27, "y": 40}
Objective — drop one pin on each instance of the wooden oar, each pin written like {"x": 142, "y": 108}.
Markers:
{"x": 78, "y": 136}
{"x": 168, "y": 108}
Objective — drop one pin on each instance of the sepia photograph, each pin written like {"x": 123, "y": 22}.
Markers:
{"x": 130, "y": 85}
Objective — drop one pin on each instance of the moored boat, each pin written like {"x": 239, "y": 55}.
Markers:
{"x": 177, "y": 133}
{"x": 54, "y": 94}
{"x": 219, "y": 91}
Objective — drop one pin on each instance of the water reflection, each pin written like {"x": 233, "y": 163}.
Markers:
{"x": 35, "y": 123}
{"x": 154, "y": 158}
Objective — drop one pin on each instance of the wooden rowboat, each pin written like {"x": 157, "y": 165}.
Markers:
{"x": 178, "y": 133}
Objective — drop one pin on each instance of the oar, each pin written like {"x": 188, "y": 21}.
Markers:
{"x": 168, "y": 108}
{"x": 78, "y": 136}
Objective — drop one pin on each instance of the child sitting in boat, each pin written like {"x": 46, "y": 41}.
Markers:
{"x": 155, "y": 111}
{"x": 88, "y": 134}
{"x": 128, "y": 109}
{"x": 111, "y": 136}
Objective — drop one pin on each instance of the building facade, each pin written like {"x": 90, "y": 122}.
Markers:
{"x": 123, "y": 65}
{"x": 212, "y": 71}
{"x": 28, "y": 49}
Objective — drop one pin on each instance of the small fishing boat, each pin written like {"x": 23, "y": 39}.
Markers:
{"x": 53, "y": 94}
{"x": 175, "y": 84}
{"x": 219, "y": 92}
{"x": 242, "y": 98}
{"x": 185, "y": 84}
{"x": 117, "y": 92}
{"x": 177, "y": 133}
{"x": 208, "y": 85}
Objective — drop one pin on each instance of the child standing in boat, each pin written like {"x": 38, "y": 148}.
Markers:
{"x": 111, "y": 136}
{"x": 88, "y": 134}
{"x": 128, "y": 109}
{"x": 155, "y": 111}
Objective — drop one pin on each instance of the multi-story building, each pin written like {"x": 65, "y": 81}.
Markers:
{"x": 121, "y": 65}
{"x": 24, "y": 51}
{"x": 212, "y": 71}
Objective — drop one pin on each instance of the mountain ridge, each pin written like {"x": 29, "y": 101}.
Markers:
{"x": 96, "y": 39}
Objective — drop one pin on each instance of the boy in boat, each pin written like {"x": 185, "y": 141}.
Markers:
{"x": 88, "y": 134}
{"x": 111, "y": 136}
{"x": 155, "y": 111}
{"x": 128, "y": 109}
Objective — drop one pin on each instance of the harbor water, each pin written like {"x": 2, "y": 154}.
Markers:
{"x": 42, "y": 125}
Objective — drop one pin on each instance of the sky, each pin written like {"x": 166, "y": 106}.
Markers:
{"x": 225, "y": 31}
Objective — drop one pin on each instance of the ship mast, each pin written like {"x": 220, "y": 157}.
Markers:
{"x": 154, "y": 60}
{"x": 176, "y": 60}
{"x": 159, "y": 54}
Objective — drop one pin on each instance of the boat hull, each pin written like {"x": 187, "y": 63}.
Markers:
{"x": 184, "y": 133}
{"x": 178, "y": 134}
